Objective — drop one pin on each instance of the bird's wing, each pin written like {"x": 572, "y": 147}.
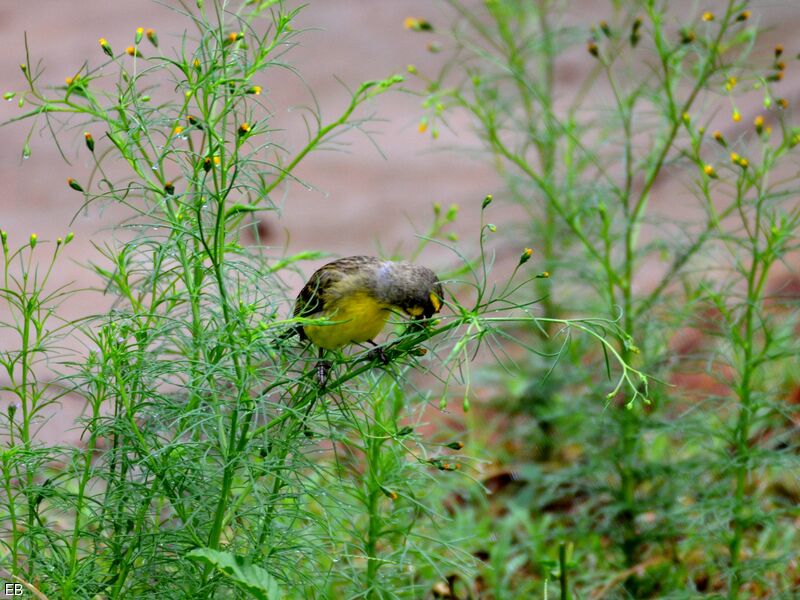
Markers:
{"x": 310, "y": 300}
{"x": 321, "y": 287}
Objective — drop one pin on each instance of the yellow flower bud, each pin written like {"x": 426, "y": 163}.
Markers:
{"x": 152, "y": 37}
{"x": 106, "y": 48}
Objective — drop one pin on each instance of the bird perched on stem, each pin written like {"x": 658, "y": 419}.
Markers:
{"x": 357, "y": 294}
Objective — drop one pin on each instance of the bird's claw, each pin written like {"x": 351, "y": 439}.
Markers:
{"x": 379, "y": 353}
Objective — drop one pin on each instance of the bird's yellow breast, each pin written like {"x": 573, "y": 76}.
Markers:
{"x": 355, "y": 318}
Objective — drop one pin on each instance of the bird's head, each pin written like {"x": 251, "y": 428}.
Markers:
{"x": 414, "y": 289}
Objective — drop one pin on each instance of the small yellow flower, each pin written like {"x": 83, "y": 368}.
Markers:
{"x": 33, "y": 239}
{"x": 759, "y": 123}
{"x": 730, "y": 83}
{"x": 232, "y": 37}
{"x": 106, "y": 47}
{"x": 423, "y": 126}
{"x": 783, "y": 103}
{"x": 686, "y": 118}
{"x": 719, "y": 137}
{"x": 736, "y": 116}
{"x": 415, "y": 24}
{"x": 743, "y": 16}
{"x": 525, "y": 256}
{"x": 177, "y": 131}
{"x": 133, "y": 51}
{"x": 708, "y": 16}
{"x": 739, "y": 160}
{"x": 709, "y": 170}
{"x": 778, "y": 50}
{"x": 152, "y": 37}
{"x": 244, "y": 129}
{"x": 591, "y": 47}
{"x": 255, "y": 90}
{"x": 215, "y": 160}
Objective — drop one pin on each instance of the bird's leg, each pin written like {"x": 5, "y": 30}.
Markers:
{"x": 377, "y": 352}
{"x": 323, "y": 367}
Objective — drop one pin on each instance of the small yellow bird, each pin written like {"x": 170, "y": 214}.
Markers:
{"x": 358, "y": 293}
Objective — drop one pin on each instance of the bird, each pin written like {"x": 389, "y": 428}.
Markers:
{"x": 357, "y": 294}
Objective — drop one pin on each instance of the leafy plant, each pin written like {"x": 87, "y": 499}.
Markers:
{"x": 212, "y": 461}
{"x": 676, "y": 490}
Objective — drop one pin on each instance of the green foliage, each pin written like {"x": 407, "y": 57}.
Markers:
{"x": 675, "y": 497}
{"x": 212, "y": 463}
{"x": 249, "y": 577}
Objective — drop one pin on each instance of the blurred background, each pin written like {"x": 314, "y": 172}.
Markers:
{"x": 380, "y": 187}
{"x": 377, "y": 187}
